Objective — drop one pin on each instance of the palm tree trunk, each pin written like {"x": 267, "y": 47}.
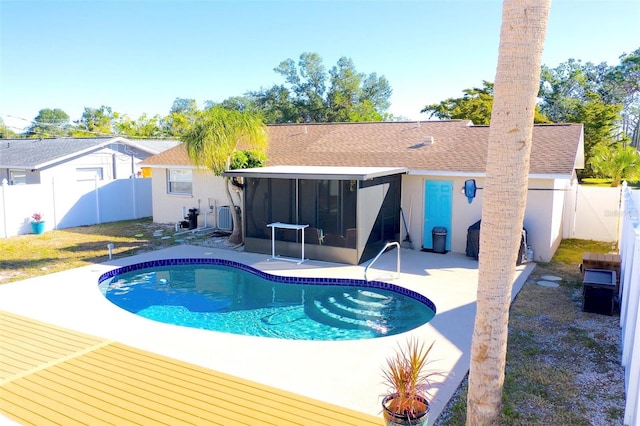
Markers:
{"x": 236, "y": 234}
{"x": 522, "y": 36}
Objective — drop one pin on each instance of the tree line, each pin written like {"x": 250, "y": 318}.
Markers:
{"x": 310, "y": 93}
{"x": 604, "y": 98}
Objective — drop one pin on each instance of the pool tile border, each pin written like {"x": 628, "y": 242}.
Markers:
{"x": 275, "y": 278}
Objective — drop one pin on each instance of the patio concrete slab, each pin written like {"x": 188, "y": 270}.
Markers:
{"x": 345, "y": 373}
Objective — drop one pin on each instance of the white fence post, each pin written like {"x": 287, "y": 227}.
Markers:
{"x": 53, "y": 196}
{"x": 95, "y": 190}
{"x": 630, "y": 299}
{"x": 5, "y": 183}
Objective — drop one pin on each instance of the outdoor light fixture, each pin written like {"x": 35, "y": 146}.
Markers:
{"x": 469, "y": 189}
{"x": 110, "y": 248}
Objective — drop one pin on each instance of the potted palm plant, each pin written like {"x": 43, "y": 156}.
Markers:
{"x": 407, "y": 402}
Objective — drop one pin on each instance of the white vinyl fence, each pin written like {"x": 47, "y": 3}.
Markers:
{"x": 593, "y": 213}
{"x": 629, "y": 302}
{"x": 65, "y": 204}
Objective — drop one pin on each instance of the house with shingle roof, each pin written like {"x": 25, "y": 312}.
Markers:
{"x": 357, "y": 180}
{"x": 33, "y": 161}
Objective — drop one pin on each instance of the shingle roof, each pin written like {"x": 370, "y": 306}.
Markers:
{"x": 37, "y": 153}
{"x": 455, "y": 146}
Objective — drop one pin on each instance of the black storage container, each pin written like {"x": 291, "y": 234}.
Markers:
{"x": 439, "y": 239}
{"x": 598, "y": 291}
{"x": 473, "y": 240}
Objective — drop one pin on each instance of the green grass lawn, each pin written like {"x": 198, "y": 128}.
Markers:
{"x": 31, "y": 255}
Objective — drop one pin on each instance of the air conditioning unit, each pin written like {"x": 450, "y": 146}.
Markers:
{"x": 225, "y": 221}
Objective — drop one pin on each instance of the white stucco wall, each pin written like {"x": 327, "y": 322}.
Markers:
{"x": 543, "y": 214}
{"x": 167, "y": 208}
{"x": 541, "y": 218}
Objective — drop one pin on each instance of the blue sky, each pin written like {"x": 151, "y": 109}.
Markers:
{"x": 137, "y": 56}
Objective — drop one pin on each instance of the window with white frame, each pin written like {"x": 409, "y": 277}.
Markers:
{"x": 17, "y": 177}
{"x": 88, "y": 173}
{"x": 179, "y": 181}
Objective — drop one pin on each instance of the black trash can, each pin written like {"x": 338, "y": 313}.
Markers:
{"x": 439, "y": 238}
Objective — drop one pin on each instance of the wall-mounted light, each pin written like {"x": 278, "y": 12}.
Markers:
{"x": 469, "y": 189}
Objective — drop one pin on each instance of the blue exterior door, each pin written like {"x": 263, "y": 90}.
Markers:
{"x": 437, "y": 210}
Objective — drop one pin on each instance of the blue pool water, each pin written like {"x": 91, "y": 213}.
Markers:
{"x": 230, "y": 297}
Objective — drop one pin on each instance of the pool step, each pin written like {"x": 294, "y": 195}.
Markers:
{"x": 357, "y": 310}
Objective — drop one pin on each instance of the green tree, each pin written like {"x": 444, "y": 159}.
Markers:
{"x": 215, "y": 137}
{"x": 248, "y": 159}
{"x": 345, "y": 90}
{"x": 622, "y": 85}
{"x": 377, "y": 90}
{"x": 49, "y": 123}
{"x": 308, "y": 84}
{"x": 564, "y": 87}
{"x": 275, "y": 105}
{"x": 5, "y": 132}
{"x": 143, "y": 127}
{"x": 616, "y": 162}
{"x": 353, "y": 96}
{"x": 184, "y": 106}
{"x": 311, "y": 94}
{"x": 182, "y": 115}
{"x": 476, "y": 105}
{"x": 238, "y": 103}
{"x": 601, "y": 122}
{"x": 524, "y": 26}
{"x": 574, "y": 92}
{"x": 96, "y": 122}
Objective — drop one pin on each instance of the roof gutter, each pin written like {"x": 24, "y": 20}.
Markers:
{"x": 441, "y": 173}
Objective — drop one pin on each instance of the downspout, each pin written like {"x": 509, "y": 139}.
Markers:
{"x": 53, "y": 194}
{"x": 133, "y": 194}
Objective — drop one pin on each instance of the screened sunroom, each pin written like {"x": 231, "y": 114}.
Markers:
{"x": 344, "y": 214}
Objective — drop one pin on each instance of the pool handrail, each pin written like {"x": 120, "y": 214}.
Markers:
{"x": 392, "y": 243}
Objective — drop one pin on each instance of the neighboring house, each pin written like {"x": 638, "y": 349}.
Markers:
{"x": 420, "y": 166}
{"x": 33, "y": 161}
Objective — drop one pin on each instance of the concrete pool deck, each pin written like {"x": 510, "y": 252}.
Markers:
{"x": 344, "y": 373}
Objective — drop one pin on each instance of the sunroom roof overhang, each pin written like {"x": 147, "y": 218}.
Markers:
{"x": 316, "y": 172}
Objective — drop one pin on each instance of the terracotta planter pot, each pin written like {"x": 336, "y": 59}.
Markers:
{"x": 421, "y": 418}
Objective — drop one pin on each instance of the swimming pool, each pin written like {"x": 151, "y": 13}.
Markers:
{"x": 230, "y": 297}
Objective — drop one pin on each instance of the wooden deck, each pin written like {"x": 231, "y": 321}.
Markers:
{"x": 51, "y": 375}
